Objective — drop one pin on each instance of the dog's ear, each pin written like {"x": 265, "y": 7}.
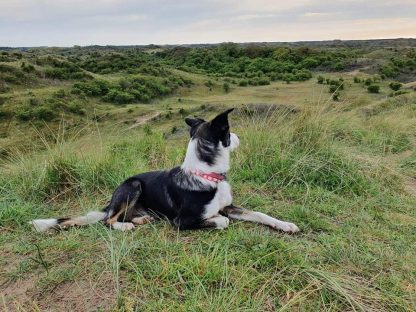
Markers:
{"x": 221, "y": 118}
{"x": 192, "y": 122}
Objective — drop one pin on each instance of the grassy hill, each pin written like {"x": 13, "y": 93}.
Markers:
{"x": 320, "y": 147}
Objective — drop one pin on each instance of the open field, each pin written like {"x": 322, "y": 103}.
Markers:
{"x": 343, "y": 170}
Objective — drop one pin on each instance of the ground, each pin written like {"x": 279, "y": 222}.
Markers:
{"x": 342, "y": 171}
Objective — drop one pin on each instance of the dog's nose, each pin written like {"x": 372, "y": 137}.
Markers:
{"x": 235, "y": 141}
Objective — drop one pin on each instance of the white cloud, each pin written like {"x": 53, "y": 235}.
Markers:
{"x": 318, "y": 14}
{"x": 69, "y": 22}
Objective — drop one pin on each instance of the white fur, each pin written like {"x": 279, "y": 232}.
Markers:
{"x": 262, "y": 218}
{"x": 123, "y": 226}
{"x": 222, "y": 161}
{"x": 43, "y": 225}
{"x": 95, "y": 216}
{"x": 221, "y": 222}
{"x": 222, "y": 198}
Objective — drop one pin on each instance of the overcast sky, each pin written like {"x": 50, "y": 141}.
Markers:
{"x": 124, "y": 22}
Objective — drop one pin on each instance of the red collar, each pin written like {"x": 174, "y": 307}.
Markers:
{"x": 214, "y": 177}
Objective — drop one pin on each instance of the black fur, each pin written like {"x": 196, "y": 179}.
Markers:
{"x": 175, "y": 195}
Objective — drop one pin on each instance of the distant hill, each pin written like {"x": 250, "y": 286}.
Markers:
{"x": 375, "y": 43}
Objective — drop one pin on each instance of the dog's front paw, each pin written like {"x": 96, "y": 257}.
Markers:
{"x": 220, "y": 222}
{"x": 285, "y": 227}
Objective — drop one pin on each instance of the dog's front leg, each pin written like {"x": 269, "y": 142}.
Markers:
{"x": 238, "y": 213}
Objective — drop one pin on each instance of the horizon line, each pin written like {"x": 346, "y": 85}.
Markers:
{"x": 204, "y": 43}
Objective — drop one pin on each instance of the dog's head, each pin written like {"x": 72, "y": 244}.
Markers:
{"x": 215, "y": 132}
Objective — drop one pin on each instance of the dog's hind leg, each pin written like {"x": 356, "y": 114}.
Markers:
{"x": 238, "y": 213}
{"x": 123, "y": 202}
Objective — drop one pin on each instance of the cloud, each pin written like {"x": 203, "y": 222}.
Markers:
{"x": 69, "y": 22}
{"x": 248, "y": 17}
{"x": 318, "y": 14}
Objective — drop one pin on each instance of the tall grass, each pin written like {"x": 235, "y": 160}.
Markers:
{"x": 352, "y": 255}
{"x": 282, "y": 149}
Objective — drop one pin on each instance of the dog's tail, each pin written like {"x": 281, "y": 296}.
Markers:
{"x": 43, "y": 225}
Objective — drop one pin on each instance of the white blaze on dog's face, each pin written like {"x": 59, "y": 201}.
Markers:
{"x": 210, "y": 144}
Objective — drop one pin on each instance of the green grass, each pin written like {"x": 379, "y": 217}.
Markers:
{"x": 339, "y": 170}
{"x": 353, "y": 252}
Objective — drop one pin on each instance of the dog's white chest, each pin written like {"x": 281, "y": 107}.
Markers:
{"x": 222, "y": 198}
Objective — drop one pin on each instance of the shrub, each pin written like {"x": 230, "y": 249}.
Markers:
{"x": 333, "y": 88}
{"x": 373, "y": 89}
{"x": 226, "y": 87}
{"x": 93, "y": 87}
{"x": 76, "y": 108}
{"x": 183, "y": 112}
{"x": 302, "y": 75}
{"x": 34, "y": 101}
{"x": 399, "y": 92}
{"x": 243, "y": 83}
{"x": 5, "y": 114}
{"x": 339, "y": 84}
{"x": 209, "y": 84}
{"x": 3, "y": 100}
{"x": 395, "y": 86}
{"x": 338, "y": 66}
{"x": 44, "y": 113}
{"x": 368, "y": 81}
{"x": 60, "y": 93}
{"x": 119, "y": 97}
{"x": 320, "y": 79}
{"x": 357, "y": 79}
{"x": 263, "y": 81}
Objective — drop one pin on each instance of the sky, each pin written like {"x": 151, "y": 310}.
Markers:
{"x": 130, "y": 22}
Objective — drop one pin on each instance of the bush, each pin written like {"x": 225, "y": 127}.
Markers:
{"x": 243, "y": 83}
{"x": 333, "y": 88}
{"x": 76, "y": 108}
{"x": 24, "y": 113}
{"x": 320, "y": 79}
{"x": 338, "y": 66}
{"x": 399, "y": 92}
{"x": 44, "y": 113}
{"x": 368, "y": 81}
{"x": 93, "y": 87}
{"x": 119, "y": 97}
{"x": 60, "y": 94}
{"x": 34, "y": 101}
{"x": 226, "y": 87}
{"x": 263, "y": 81}
{"x": 209, "y": 84}
{"x": 3, "y": 100}
{"x": 4, "y": 114}
{"x": 373, "y": 89}
{"x": 395, "y": 86}
{"x": 302, "y": 75}
{"x": 339, "y": 84}
{"x": 357, "y": 80}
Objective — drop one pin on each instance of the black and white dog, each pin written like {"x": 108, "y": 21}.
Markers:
{"x": 192, "y": 196}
